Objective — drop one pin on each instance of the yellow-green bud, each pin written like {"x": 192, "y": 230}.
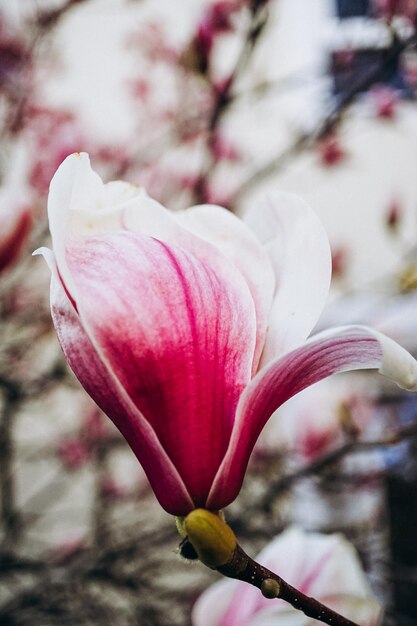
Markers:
{"x": 270, "y": 588}
{"x": 212, "y": 539}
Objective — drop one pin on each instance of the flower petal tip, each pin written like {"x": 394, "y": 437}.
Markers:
{"x": 397, "y": 363}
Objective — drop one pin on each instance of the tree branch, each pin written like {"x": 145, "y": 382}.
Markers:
{"x": 305, "y": 140}
{"x": 242, "y": 567}
{"x": 320, "y": 464}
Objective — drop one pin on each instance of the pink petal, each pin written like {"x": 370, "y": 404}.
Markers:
{"x": 212, "y": 234}
{"x": 338, "y": 350}
{"x": 97, "y": 377}
{"x": 178, "y": 336}
{"x": 300, "y": 253}
{"x": 80, "y": 205}
{"x": 236, "y": 240}
{"x": 214, "y": 602}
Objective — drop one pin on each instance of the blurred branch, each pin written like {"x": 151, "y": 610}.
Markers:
{"x": 43, "y": 21}
{"x": 330, "y": 122}
{"x": 10, "y": 517}
{"x": 319, "y": 465}
{"x": 100, "y": 528}
{"x": 224, "y": 97}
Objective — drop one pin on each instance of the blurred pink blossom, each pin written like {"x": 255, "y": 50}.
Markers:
{"x": 394, "y": 214}
{"x": 55, "y": 135}
{"x": 323, "y": 566}
{"x": 389, "y": 8}
{"x": 73, "y": 452}
{"x": 384, "y": 101}
{"x": 330, "y": 150}
{"x": 313, "y": 423}
{"x": 223, "y": 149}
{"x": 340, "y": 259}
{"x": 112, "y": 489}
{"x": 95, "y": 426}
{"x": 15, "y": 226}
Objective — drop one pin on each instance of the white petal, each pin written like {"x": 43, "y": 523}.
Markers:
{"x": 300, "y": 253}
{"x": 236, "y": 240}
{"x": 213, "y": 603}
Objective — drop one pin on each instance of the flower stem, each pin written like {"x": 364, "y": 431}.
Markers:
{"x": 242, "y": 567}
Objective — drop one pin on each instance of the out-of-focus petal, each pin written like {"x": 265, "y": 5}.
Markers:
{"x": 100, "y": 381}
{"x": 336, "y": 350}
{"x": 178, "y": 336}
{"x": 308, "y": 561}
{"x": 287, "y": 616}
{"x": 236, "y": 240}
{"x": 361, "y": 610}
{"x": 213, "y": 603}
{"x": 300, "y": 253}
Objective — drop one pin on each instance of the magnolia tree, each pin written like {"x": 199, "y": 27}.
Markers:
{"x": 205, "y": 334}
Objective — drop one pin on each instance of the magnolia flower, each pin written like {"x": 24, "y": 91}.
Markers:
{"x": 323, "y": 566}
{"x": 189, "y": 329}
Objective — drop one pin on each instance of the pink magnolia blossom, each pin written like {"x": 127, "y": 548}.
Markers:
{"x": 189, "y": 329}
{"x": 323, "y": 566}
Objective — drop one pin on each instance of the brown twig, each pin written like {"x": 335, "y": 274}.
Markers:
{"x": 242, "y": 567}
{"x": 224, "y": 96}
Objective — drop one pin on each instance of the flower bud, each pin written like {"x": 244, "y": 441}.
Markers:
{"x": 212, "y": 539}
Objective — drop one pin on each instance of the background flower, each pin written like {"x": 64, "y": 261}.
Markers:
{"x": 323, "y": 566}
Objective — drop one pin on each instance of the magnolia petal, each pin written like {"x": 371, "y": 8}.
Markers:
{"x": 215, "y": 235}
{"x": 79, "y": 204}
{"x": 300, "y": 253}
{"x": 178, "y": 336}
{"x": 287, "y": 616}
{"x": 213, "y": 603}
{"x": 97, "y": 377}
{"x": 362, "y": 610}
{"x": 311, "y": 562}
{"x": 74, "y": 185}
{"x": 236, "y": 240}
{"x": 336, "y": 350}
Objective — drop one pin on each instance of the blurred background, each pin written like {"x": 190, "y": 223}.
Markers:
{"x": 220, "y": 102}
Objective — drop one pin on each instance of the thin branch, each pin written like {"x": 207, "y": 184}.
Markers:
{"x": 9, "y": 515}
{"x": 306, "y": 140}
{"x": 317, "y": 466}
{"x": 243, "y": 567}
{"x": 225, "y": 97}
